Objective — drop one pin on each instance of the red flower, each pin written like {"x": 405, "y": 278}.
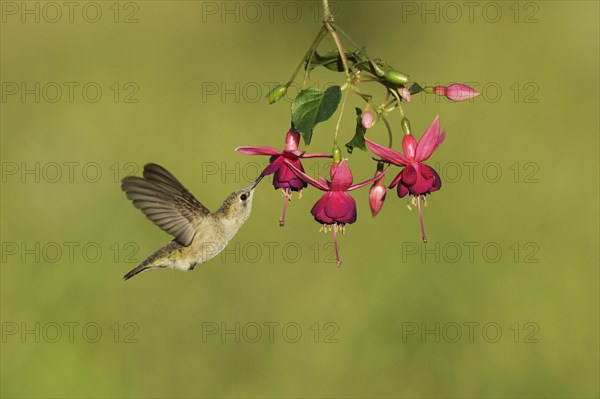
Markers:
{"x": 283, "y": 177}
{"x": 415, "y": 178}
{"x": 336, "y": 207}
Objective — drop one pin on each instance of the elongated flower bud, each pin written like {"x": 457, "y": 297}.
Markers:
{"x": 396, "y": 77}
{"x": 276, "y": 93}
{"x": 377, "y": 195}
{"x": 367, "y": 119}
{"x": 460, "y": 92}
{"x": 404, "y": 93}
{"x": 456, "y": 92}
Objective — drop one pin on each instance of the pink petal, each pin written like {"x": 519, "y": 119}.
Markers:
{"x": 440, "y": 140}
{"x": 341, "y": 176}
{"x": 273, "y": 166}
{"x": 429, "y": 141}
{"x": 364, "y": 183}
{"x": 307, "y": 178}
{"x": 292, "y": 139}
{"x": 258, "y": 150}
{"x": 387, "y": 154}
{"x": 315, "y": 156}
{"x": 409, "y": 144}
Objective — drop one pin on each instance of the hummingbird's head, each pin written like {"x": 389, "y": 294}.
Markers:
{"x": 238, "y": 205}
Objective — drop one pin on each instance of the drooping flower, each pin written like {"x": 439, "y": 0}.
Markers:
{"x": 336, "y": 207}
{"x": 283, "y": 177}
{"x": 415, "y": 178}
{"x": 377, "y": 194}
{"x": 456, "y": 92}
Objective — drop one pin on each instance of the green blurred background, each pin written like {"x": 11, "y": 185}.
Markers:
{"x": 183, "y": 87}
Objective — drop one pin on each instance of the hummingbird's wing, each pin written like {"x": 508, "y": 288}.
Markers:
{"x": 165, "y": 201}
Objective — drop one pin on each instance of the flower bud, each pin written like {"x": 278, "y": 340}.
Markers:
{"x": 367, "y": 119}
{"x": 377, "y": 194}
{"x": 460, "y": 92}
{"x": 404, "y": 93}
{"x": 395, "y": 77}
{"x": 276, "y": 93}
{"x": 337, "y": 154}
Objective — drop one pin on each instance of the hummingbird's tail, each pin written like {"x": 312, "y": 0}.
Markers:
{"x": 158, "y": 259}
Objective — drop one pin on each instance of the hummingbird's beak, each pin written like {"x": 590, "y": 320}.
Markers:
{"x": 256, "y": 182}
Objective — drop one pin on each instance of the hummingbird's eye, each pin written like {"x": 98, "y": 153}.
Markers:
{"x": 243, "y": 197}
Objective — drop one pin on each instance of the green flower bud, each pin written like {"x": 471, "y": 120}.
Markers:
{"x": 275, "y": 94}
{"x": 428, "y": 89}
{"x": 406, "y": 126}
{"x": 395, "y": 77}
{"x": 337, "y": 154}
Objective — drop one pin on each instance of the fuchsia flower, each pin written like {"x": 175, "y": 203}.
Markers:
{"x": 336, "y": 207}
{"x": 283, "y": 176}
{"x": 416, "y": 178}
{"x": 456, "y": 92}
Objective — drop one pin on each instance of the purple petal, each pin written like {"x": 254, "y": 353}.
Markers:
{"x": 396, "y": 180}
{"x": 318, "y": 210}
{"x": 341, "y": 207}
{"x": 428, "y": 142}
{"x": 287, "y": 179}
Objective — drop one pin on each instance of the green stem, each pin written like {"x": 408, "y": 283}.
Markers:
{"x": 398, "y": 101}
{"x": 339, "y": 121}
{"x": 308, "y": 54}
{"x": 389, "y": 129}
{"x": 326, "y": 11}
{"x": 340, "y": 48}
{"x": 313, "y": 49}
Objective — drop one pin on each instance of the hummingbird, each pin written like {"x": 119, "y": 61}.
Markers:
{"x": 199, "y": 234}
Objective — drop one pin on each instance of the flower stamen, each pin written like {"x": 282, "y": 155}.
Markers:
{"x": 421, "y": 220}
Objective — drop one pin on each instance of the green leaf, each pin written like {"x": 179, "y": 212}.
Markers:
{"x": 312, "y": 106}
{"x": 359, "y": 135}
{"x": 415, "y": 88}
{"x": 333, "y": 61}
